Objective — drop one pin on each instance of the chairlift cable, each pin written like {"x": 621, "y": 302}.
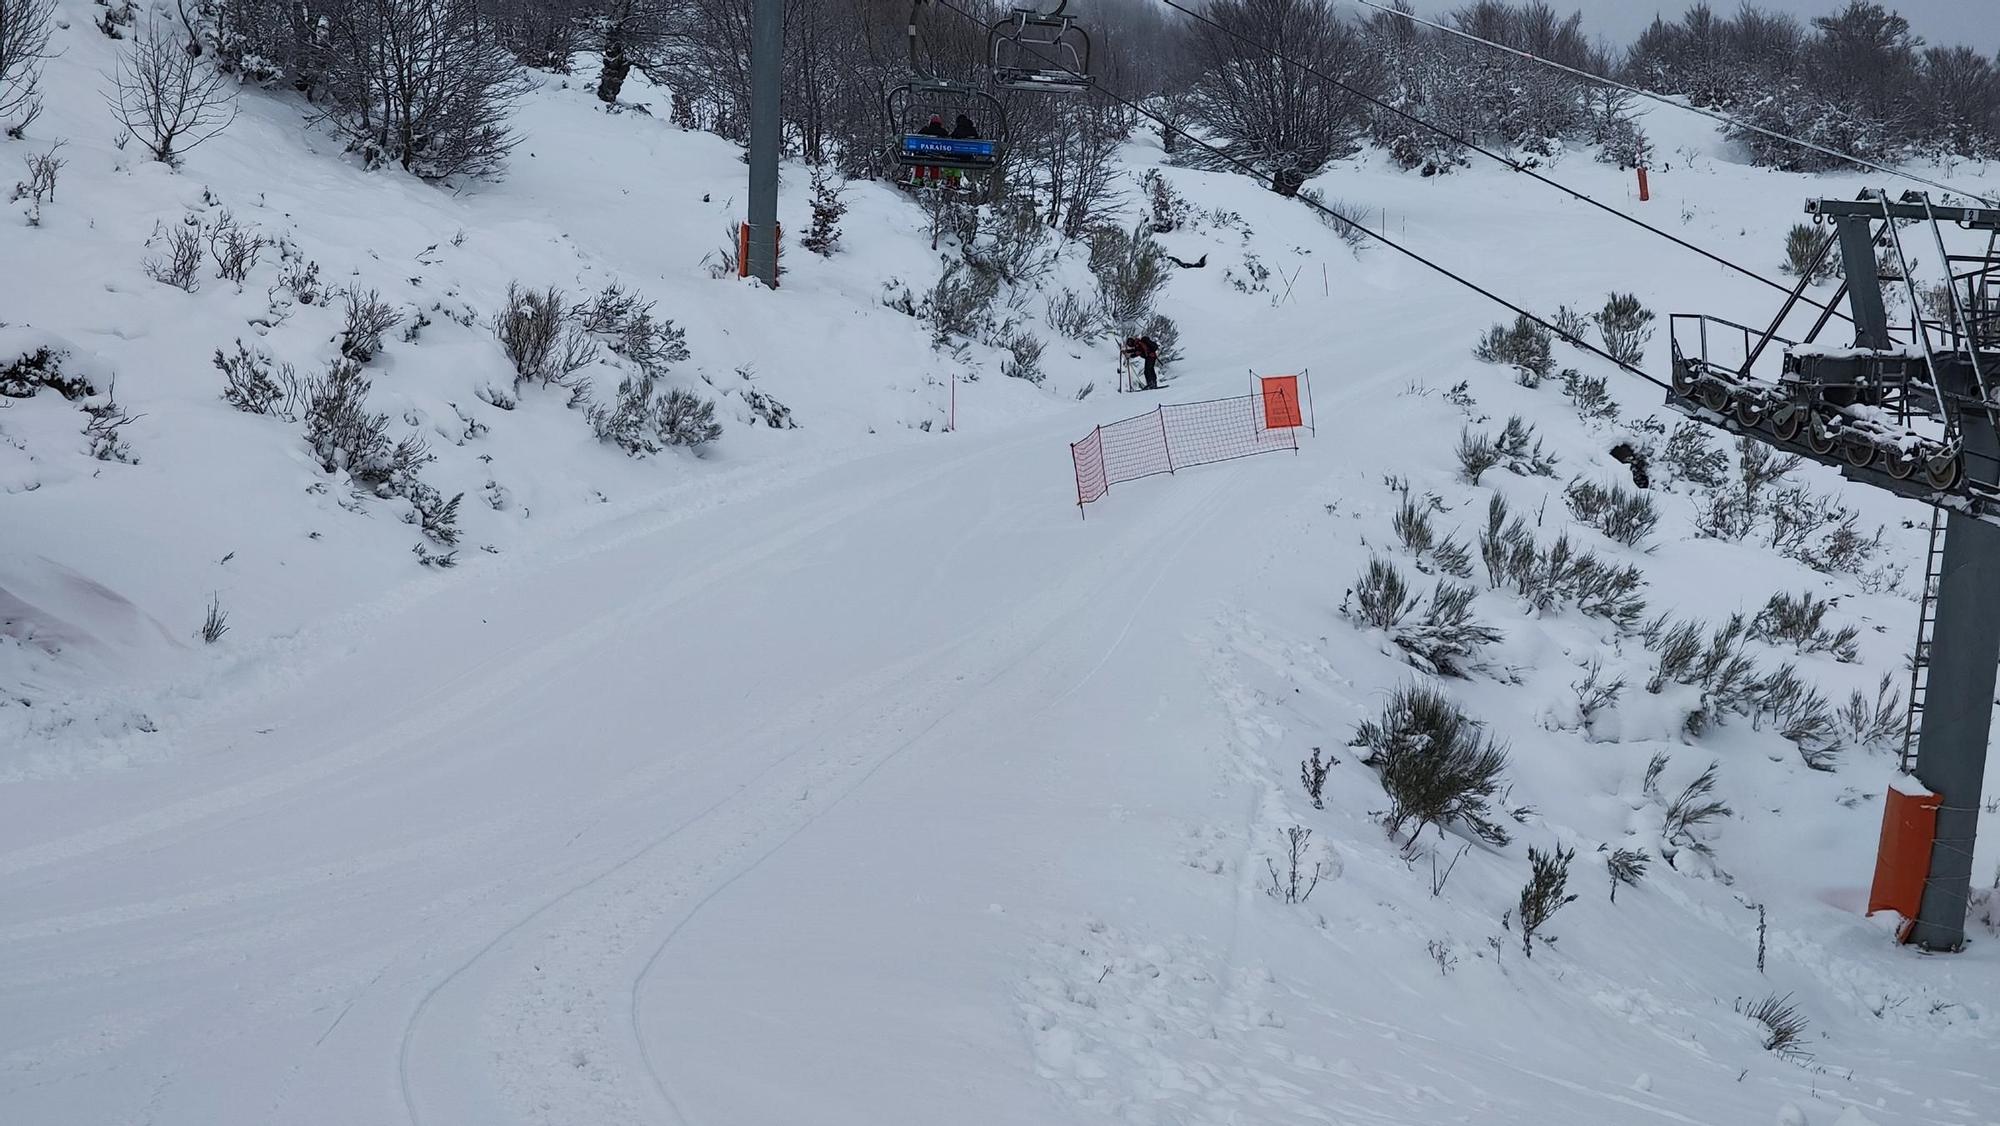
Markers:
{"x": 1726, "y": 119}
{"x": 1385, "y": 240}
{"x": 1511, "y": 163}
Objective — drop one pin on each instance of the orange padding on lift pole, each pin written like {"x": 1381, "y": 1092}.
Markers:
{"x": 1909, "y": 826}
{"x": 1281, "y": 401}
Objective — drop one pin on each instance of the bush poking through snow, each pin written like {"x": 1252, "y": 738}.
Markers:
{"x": 1799, "y": 713}
{"x": 1444, "y": 639}
{"x": 1694, "y": 808}
{"x": 1024, "y": 355}
{"x": 1312, "y": 774}
{"x": 1075, "y": 317}
{"x": 1819, "y": 531}
{"x": 25, "y": 28}
{"x": 1720, "y": 669}
{"x": 180, "y": 265}
{"x": 960, "y": 304}
{"x": 29, "y": 372}
{"x": 1797, "y": 622}
{"x": 1802, "y": 245}
{"x": 1515, "y": 449}
{"x": 627, "y": 320}
{"x": 1881, "y": 723}
{"x": 1625, "y": 517}
{"x": 1548, "y": 578}
{"x": 43, "y": 169}
{"x": 103, "y": 424}
{"x": 1162, "y": 330}
{"x": 1784, "y": 1026}
{"x": 1526, "y": 345}
{"x": 368, "y": 317}
{"x": 1626, "y": 866}
{"x": 1545, "y": 893}
{"x": 1436, "y": 764}
{"x": 1301, "y": 874}
{"x": 827, "y": 208}
{"x": 540, "y": 339}
{"x": 235, "y": 249}
{"x": 341, "y": 431}
{"x": 1626, "y": 326}
{"x": 167, "y": 97}
{"x": 1476, "y": 455}
{"x": 1570, "y": 325}
{"x": 1690, "y": 456}
{"x": 1594, "y": 693}
{"x": 216, "y": 623}
{"x": 768, "y": 410}
{"x": 1131, "y": 271}
{"x": 641, "y": 421}
{"x": 256, "y": 384}
{"x": 1590, "y": 395}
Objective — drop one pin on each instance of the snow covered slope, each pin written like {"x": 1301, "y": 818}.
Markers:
{"x": 844, "y": 775}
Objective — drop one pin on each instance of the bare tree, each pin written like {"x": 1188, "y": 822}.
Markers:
{"x": 168, "y": 98}
{"x": 421, "y": 83}
{"x": 1286, "y": 121}
{"x": 25, "y": 27}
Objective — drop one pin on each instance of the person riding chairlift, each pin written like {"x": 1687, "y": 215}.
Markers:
{"x": 935, "y": 128}
{"x": 964, "y": 130}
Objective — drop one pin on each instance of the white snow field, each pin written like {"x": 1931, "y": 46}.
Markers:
{"x": 844, "y": 776}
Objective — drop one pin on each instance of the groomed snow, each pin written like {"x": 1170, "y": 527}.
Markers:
{"x": 844, "y": 775}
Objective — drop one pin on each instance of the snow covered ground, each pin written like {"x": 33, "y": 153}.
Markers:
{"x": 843, "y": 775}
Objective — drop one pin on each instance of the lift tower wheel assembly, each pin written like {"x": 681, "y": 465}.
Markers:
{"x": 1909, "y": 409}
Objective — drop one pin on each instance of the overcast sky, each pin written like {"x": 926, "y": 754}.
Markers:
{"x": 1974, "y": 23}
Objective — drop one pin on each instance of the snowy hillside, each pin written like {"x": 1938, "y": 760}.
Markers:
{"x": 840, "y": 773}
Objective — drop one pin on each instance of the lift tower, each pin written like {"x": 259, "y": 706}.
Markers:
{"x": 1909, "y": 408}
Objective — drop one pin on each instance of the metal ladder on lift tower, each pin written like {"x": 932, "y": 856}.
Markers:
{"x": 1920, "y": 660}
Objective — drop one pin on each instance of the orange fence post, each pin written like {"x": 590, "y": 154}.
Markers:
{"x": 1166, "y": 447}
{"x": 1645, "y": 190}
{"x": 742, "y": 250}
{"x": 1903, "y": 862}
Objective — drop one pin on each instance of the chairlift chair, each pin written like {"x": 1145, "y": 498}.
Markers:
{"x": 1043, "y": 52}
{"x": 914, "y": 104}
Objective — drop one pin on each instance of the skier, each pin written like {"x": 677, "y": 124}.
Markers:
{"x": 1147, "y": 350}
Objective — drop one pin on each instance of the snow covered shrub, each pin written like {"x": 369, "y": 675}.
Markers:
{"x": 41, "y": 182}
{"x": 1008, "y": 241}
{"x": 256, "y": 384}
{"x": 827, "y": 208}
{"x": 1075, "y": 317}
{"x": 1626, "y": 517}
{"x": 627, "y": 320}
{"x": 1626, "y": 866}
{"x": 1590, "y": 395}
{"x": 216, "y": 623}
{"x": 421, "y": 84}
{"x": 25, "y": 28}
{"x": 180, "y": 264}
{"x": 1691, "y": 456}
{"x": 29, "y": 372}
{"x": 627, "y": 421}
{"x": 1626, "y": 326}
{"x": 1570, "y": 325}
{"x": 1312, "y": 775}
{"x": 342, "y": 432}
{"x": 1797, "y": 622}
{"x": 1476, "y": 455}
{"x": 235, "y": 248}
{"x": 1545, "y": 893}
{"x": 1722, "y": 672}
{"x": 1412, "y": 523}
{"x": 1436, "y": 765}
{"x": 544, "y": 34}
{"x": 1301, "y": 874}
{"x": 1515, "y": 448}
{"x": 1131, "y": 271}
{"x": 1381, "y": 599}
{"x": 1880, "y": 723}
{"x": 1549, "y": 578}
{"x": 540, "y": 339}
{"x": 1344, "y": 218}
{"x": 768, "y": 410}
{"x": 960, "y": 304}
{"x": 1024, "y": 355}
{"x": 1799, "y": 713}
{"x": 170, "y": 99}
{"x": 116, "y": 16}
{"x": 1169, "y": 211}
{"x": 1527, "y": 346}
{"x": 687, "y": 419}
{"x": 1802, "y": 245}
{"x": 1694, "y": 808}
{"x": 368, "y": 317}
{"x": 1784, "y": 1026}
{"x": 102, "y": 425}
{"x": 1818, "y": 530}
